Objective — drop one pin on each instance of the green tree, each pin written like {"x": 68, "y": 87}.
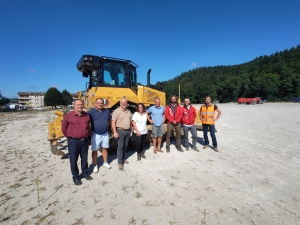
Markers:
{"x": 53, "y": 97}
{"x": 67, "y": 98}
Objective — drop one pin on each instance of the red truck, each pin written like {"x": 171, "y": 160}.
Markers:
{"x": 252, "y": 101}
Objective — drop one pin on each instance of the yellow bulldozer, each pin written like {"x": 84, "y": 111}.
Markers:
{"x": 110, "y": 79}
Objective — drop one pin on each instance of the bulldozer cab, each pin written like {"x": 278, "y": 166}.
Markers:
{"x": 108, "y": 72}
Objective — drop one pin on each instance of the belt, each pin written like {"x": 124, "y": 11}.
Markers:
{"x": 79, "y": 139}
{"x": 120, "y": 128}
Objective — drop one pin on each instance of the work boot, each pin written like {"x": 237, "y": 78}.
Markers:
{"x": 179, "y": 149}
{"x": 196, "y": 149}
{"x": 168, "y": 149}
{"x": 139, "y": 156}
{"x": 120, "y": 167}
{"x": 143, "y": 155}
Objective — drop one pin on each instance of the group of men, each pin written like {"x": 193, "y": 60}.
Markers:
{"x": 78, "y": 125}
{"x": 184, "y": 116}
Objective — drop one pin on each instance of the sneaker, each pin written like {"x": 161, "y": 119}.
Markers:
{"x": 187, "y": 149}
{"x": 120, "y": 167}
{"x": 180, "y": 149}
{"x": 125, "y": 161}
{"x": 205, "y": 146}
{"x": 196, "y": 149}
{"x": 95, "y": 170}
{"x": 168, "y": 149}
{"x": 215, "y": 149}
{"x": 106, "y": 165}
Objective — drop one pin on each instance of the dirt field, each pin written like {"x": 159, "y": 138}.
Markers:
{"x": 253, "y": 179}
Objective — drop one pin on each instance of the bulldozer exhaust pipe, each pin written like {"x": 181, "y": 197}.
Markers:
{"x": 148, "y": 77}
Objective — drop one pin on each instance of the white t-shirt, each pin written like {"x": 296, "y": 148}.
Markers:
{"x": 141, "y": 122}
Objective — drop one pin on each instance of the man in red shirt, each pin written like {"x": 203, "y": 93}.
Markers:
{"x": 76, "y": 127}
{"x": 173, "y": 116}
{"x": 188, "y": 124}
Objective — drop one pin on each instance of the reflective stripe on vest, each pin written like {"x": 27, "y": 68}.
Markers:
{"x": 208, "y": 114}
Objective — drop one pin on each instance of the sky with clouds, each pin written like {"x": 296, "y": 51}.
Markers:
{"x": 41, "y": 41}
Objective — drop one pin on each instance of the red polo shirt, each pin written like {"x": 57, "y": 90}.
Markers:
{"x": 76, "y": 126}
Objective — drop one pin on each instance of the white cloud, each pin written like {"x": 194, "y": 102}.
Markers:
{"x": 194, "y": 64}
{"x": 31, "y": 71}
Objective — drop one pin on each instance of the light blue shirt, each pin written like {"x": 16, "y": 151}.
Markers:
{"x": 157, "y": 114}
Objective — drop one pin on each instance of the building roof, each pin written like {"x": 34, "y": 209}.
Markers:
{"x": 31, "y": 93}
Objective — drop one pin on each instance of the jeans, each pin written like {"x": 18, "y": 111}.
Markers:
{"x": 212, "y": 134}
{"x": 78, "y": 148}
{"x": 123, "y": 141}
{"x": 139, "y": 142}
{"x": 193, "y": 131}
{"x": 177, "y": 128}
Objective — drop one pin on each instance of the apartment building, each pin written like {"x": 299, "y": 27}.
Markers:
{"x": 31, "y": 99}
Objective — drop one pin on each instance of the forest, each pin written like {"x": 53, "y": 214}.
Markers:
{"x": 274, "y": 78}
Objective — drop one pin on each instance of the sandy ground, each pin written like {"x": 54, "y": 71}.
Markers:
{"x": 253, "y": 179}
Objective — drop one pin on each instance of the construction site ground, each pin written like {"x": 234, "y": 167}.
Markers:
{"x": 253, "y": 179}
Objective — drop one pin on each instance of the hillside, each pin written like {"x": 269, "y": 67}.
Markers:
{"x": 275, "y": 78}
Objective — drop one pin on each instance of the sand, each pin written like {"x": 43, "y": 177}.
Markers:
{"x": 253, "y": 179}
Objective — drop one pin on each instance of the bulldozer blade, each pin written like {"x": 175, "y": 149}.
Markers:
{"x": 59, "y": 144}
{"x": 60, "y": 153}
{"x": 54, "y": 150}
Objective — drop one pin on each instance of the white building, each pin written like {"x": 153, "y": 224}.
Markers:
{"x": 31, "y": 99}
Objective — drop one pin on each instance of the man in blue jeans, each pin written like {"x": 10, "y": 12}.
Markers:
{"x": 76, "y": 127}
{"x": 208, "y": 118}
{"x": 188, "y": 124}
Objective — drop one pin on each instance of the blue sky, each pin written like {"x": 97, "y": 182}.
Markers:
{"x": 41, "y": 41}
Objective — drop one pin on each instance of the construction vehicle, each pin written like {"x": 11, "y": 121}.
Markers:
{"x": 110, "y": 79}
{"x": 295, "y": 99}
{"x": 252, "y": 101}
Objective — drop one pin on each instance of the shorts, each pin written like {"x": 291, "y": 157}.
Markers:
{"x": 157, "y": 131}
{"x": 100, "y": 141}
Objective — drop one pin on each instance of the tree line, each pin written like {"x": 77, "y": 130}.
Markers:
{"x": 274, "y": 78}
{"x": 54, "y": 97}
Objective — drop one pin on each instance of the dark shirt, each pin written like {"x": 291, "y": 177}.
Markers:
{"x": 100, "y": 120}
{"x": 76, "y": 126}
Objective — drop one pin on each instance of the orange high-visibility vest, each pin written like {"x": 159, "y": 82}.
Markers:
{"x": 208, "y": 113}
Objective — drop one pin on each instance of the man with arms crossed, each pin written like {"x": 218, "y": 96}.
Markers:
{"x": 100, "y": 124}
{"x": 188, "y": 124}
{"x": 76, "y": 127}
{"x": 157, "y": 120}
{"x": 121, "y": 126}
{"x": 207, "y": 115}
